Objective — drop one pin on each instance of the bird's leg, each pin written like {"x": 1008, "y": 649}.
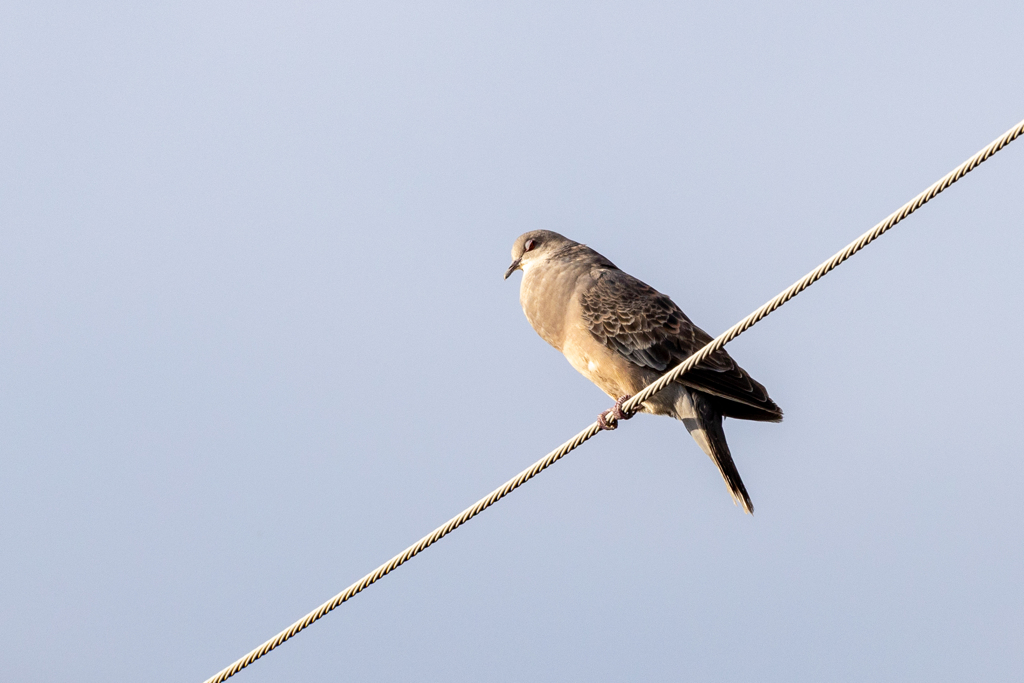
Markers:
{"x": 616, "y": 413}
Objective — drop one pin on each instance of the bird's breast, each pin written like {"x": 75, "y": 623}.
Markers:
{"x": 546, "y": 295}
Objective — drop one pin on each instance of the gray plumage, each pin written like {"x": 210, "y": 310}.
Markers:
{"x": 622, "y": 334}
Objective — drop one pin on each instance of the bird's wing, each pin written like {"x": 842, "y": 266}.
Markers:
{"x": 648, "y": 329}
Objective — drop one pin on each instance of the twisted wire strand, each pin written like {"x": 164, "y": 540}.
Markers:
{"x": 628, "y": 406}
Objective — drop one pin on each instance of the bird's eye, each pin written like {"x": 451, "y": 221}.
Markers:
{"x": 530, "y": 244}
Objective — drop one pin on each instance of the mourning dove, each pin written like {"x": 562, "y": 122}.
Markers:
{"x": 622, "y": 334}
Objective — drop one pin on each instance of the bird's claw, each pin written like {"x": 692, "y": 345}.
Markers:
{"x": 616, "y": 413}
{"x": 603, "y": 423}
{"x": 617, "y": 410}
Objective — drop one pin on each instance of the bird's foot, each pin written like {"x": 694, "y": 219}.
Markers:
{"x": 615, "y": 413}
{"x": 603, "y": 423}
{"x": 617, "y": 410}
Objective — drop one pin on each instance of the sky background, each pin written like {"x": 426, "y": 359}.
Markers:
{"x": 254, "y": 339}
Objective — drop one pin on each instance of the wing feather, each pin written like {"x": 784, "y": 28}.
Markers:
{"x": 646, "y": 327}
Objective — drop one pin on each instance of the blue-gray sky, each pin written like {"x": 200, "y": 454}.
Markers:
{"x": 254, "y": 339}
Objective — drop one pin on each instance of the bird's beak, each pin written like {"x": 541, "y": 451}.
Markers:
{"x": 514, "y": 267}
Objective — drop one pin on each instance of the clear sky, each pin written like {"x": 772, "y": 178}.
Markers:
{"x": 254, "y": 339}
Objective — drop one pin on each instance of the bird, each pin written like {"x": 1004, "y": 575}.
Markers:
{"x": 622, "y": 334}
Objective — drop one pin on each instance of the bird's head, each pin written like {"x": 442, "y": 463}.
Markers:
{"x": 534, "y": 247}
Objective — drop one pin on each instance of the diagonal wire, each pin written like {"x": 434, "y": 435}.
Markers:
{"x": 630, "y": 405}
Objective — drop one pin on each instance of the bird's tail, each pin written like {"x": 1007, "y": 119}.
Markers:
{"x": 705, "y": 426}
